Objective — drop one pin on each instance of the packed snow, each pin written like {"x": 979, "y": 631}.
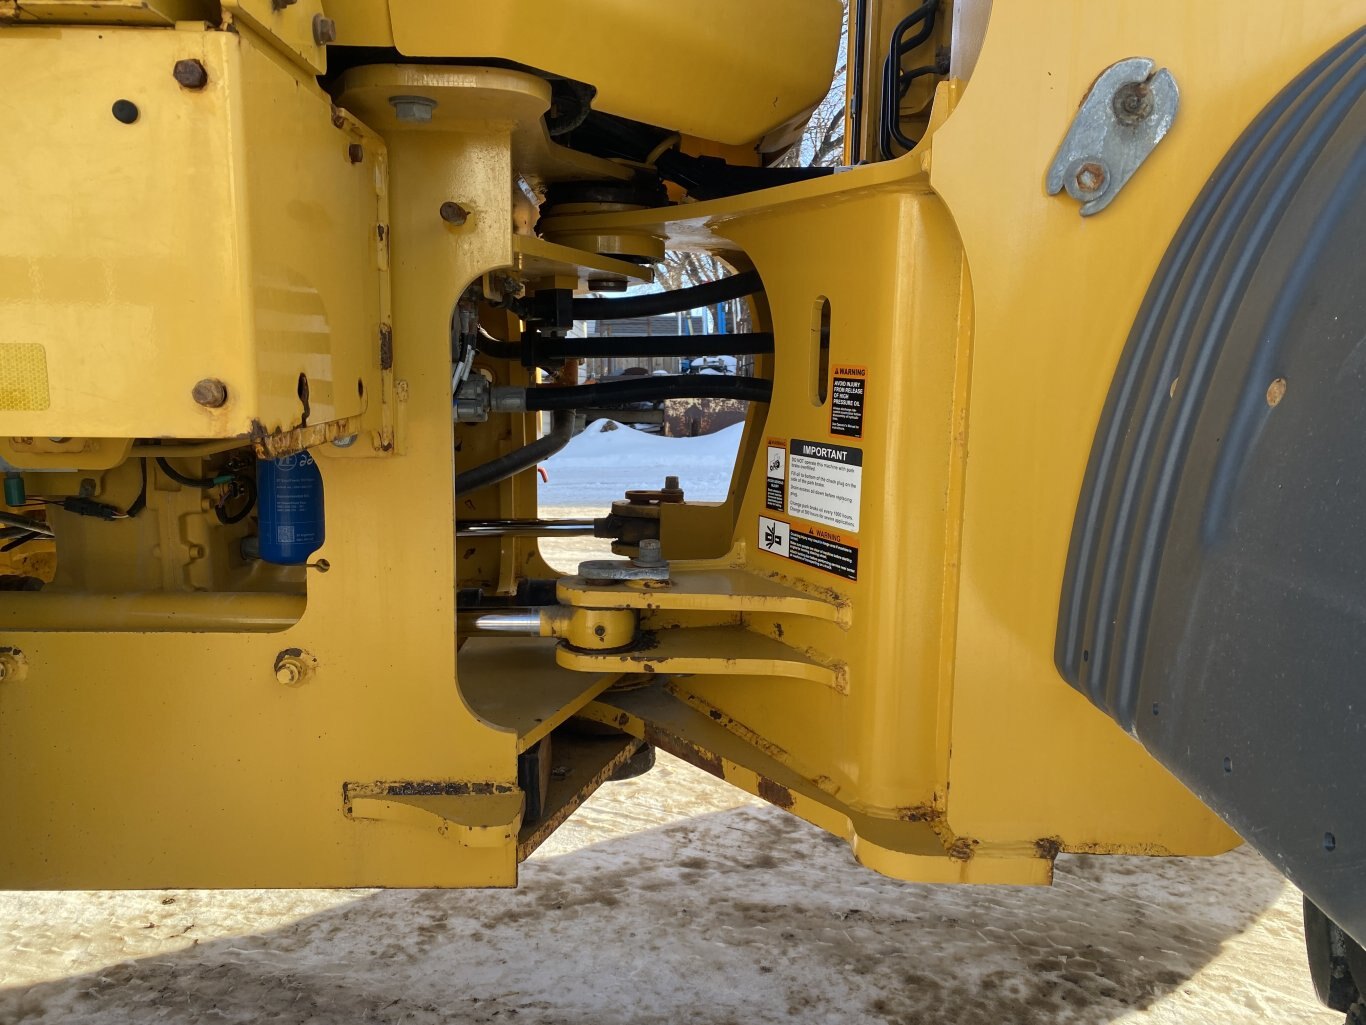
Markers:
{"x": 607, "y": 459}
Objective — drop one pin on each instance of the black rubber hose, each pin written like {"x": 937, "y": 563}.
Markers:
{"x": 524, "y": 458}
{"x": 650, "y": 389}
{"x": 534, "y": 350}
{"x": 734, "y": 287}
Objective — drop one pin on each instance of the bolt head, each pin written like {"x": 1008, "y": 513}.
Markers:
{"x": 191, "y": 74}
{"x": 413, "y": 109}
{"x": 287, "y": 673}
{"x": 454, "y": 213}
{"x": 1091, "y": 177}
{"x": 324, "y": 30}
{"x": 649, "y": 553}
{"x": 210, "y": 393}
{"x": 355, "y": 152}
{"x": 671, "y": 483}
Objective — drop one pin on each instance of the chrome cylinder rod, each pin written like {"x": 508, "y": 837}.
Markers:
{"x": 525, "y": 528}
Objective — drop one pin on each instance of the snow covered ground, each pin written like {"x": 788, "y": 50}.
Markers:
{"x": 596, "y": 467}
{"x": 672, "y": 899}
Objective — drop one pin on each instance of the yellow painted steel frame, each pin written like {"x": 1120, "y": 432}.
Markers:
{"x": 338, "y": 751}
{"x": 989, "y": 318}
{"x": 914, "y": 710}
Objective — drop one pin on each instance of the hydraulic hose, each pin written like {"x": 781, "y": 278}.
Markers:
{"x": 524, "y": 458}
{"x": 734, "y": 287}
{"x": 535, "y": 349}
{"x": 651, "y": 389}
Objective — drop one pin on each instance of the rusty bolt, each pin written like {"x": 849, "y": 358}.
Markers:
{"x": 1133, "y": 102}
{"x": 355, "y": 152}
{"x": 210, "y": 392}
{"x": 191, "y": 74}
{"x": 671, "y": 483}
{"x": 324, "y": 30}
{"x": 1275, "y": 392}
{"x": 1091, "y": 177}
{"x": 454, "y": 213}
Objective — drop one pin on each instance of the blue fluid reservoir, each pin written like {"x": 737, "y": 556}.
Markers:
{"x": 290, "y": 503}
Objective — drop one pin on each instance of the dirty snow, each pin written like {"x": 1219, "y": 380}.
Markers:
{"x": 677, "y": 899}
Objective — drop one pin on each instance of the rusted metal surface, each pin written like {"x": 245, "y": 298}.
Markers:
{"x": 386, "y": 344}
{"x": 775, "y": 793}
{"x": 425, "y": 788}
{"x": 278, "y": 444}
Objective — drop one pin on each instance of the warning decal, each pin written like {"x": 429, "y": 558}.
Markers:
{"x": 825, "y": 483}
{"x": 775, "y": 484}
{"x": 848, "y": 388}
{"x": 819, "y": 549}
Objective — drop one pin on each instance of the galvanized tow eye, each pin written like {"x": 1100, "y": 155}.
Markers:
{"x": 1123, "y": 118}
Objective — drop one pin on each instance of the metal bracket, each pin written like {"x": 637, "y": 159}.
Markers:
{"x": 1125, "y": 115}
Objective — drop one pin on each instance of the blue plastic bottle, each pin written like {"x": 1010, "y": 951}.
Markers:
{"x": 290, "y": 503}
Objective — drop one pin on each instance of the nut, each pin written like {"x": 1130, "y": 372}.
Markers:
{"x": 1133, "y": 102}
{"x": 454, "y": 213}
{"x": 324, "y": 30}
{"x": 355, "y": 153}
{"x": 413, "y": 109}
{"x": 191, "y": 74}
{"x": 1091, "y": 177}
{"x": 294, "y": 666}
{"x": 210, "y": 392}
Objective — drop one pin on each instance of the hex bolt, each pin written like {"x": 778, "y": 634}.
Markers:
{"x": 324, "y": 30}
{"x": 413, "y": 109}
{"x": 210, "y": 392}
{"x": 288, "y": 672}
{"x": 1091, "y": 177}
{"x": 650, "y": 553}
{"x": 191, "y": 74}
{"x": 671, "y": 483}
{"x": 355, "y": 153}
